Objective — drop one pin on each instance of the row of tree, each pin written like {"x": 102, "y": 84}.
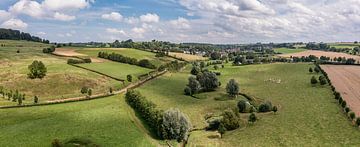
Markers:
{"x": 128, "y": 60}
{"x": 17, "y": 35}
{"x": 171, "y": 124}
{"x": 15, "y": 96}
{"x": 78, "y": 61}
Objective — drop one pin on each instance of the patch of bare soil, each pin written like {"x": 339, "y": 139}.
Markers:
{"x": 67, "y": 52}
{"x": 321, "y": 53}
{"x": 346, "y": 79}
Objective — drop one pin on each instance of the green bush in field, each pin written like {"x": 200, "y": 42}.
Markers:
{"x": 352, "y": 115}
{"x": 252, "y": 118}
{"x": 310, "y": 70}
{"x": 313, "y": 80}
{"x": 230, "y": 120}
{"x": 343, "y": 104}
{"x": 347, "y": 109}
{"x": 37, "y": 70}
{"x": 232, "y": 88}
{"x": 265, "y": 107}
{"x": 357, "y": 122}
{"x": 129, "y": 78}
{"x": 242, "y": 106}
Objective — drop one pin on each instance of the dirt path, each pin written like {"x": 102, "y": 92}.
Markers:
{"x": 66, "y": 52}
{"x": 346, "y": 79}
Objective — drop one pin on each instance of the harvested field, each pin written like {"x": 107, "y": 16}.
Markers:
{"x": 346, "y": 79}
{"x": 187, "y": 57}
{"x": 67, "y": 52}
{"x": 321, "y": 53}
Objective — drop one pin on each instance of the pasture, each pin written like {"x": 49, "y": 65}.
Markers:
{"x": 307, "y": 115}
{"x": 288, "y": 50}
{"x": 187, "y": 57}
{"x": 62, "y": 80}
{"x": 346, "y": 80}
{"x": 117, "y": 70}
{"x": 106, "y": 122}
{"x": 133, "y": 53}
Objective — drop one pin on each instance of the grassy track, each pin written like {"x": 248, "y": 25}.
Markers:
{"x": 288, "y": 50}
{"x": 104, "y": 121}
{"x": 308, "y": 116}
{"x": 118, "y": 70}
{"x": 134, "y": 53}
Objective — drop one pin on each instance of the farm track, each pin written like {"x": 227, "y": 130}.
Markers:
{"x": 346, "y": 80}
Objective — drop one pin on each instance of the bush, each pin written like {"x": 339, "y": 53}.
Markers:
{"x": 36, "y": 99}
{"x": 194, "y": 85}
{"x": 230, "y": 120}
{"x": 310, "y": 70}
{"x": 84, "y": 90}
{"x": 213, "y": 123}
{"x": 316, "y": 69}
{"x": 337, "y": 95}
{"x": 265, "y": 107}
{"x": 208, "y": 80}
{"x": 322, "y": 80}
{"x": 37, "y": 70}
{"x": 352, "y": 115}
{"x": 340, "y": 100}
{"x": 146, "y": 63}
{"x": 313, "y": 80}
{"x": 347, "y": 109}
{"x": 176, "y": 125}
{"x": 343, "y": 104}
{"x": 87, "y": 60}
{"x": 357, "y": 121}
{"x": 195, "y": 70}
{"x": 56, "y": 143}
{"x": 252, "y": 118}
{"x": 75, "y": 61}
{"x": 187, "y": 90}
{"x": 242, "y": 106}
{"x": 274, "y": 109}
{"x": 232, "y": 88}
{"x": 129, "y": 78}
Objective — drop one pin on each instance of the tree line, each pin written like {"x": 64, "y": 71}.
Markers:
{"x": 17, "y": 35}
{"x": 15, "y": 96}
{"x": 128, "y": 60}
{"x": 169, "y": 124}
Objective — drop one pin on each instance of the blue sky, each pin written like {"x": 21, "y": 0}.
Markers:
{"x": 210, "y": 21}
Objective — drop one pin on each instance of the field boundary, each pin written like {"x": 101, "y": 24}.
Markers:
{"x": 117, "y": 79}
{"x": 67, "y": 100}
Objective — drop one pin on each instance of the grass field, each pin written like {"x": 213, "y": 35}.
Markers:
{"x": 107, "y": 122}
{"x": 187, "y": 57}
{"x": 308, "y": 116}
{"x": 134, "y": 53}
{"x": 288, "y": 50}
{"x": 62, "y": 80}
{"x": 344, "y": 45}
{"x": 117, "y": 70}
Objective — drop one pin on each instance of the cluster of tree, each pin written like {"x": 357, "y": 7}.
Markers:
{"x": 17, "y": 35}
{"x": 50, "y": 49}
{"x": 37, "y": 70}
{"x": 227, "y": 121}
{"x": 247, "y": 107}
{"x": 203, "y": 82}
{"x": 87, "y": 91}
{"x": 171, "y": 124}
{"x": 317, "y": 46}
{"x": 128, "y": 60}
{"x": 15, "y": 96}
{"x": 78, "y": 61}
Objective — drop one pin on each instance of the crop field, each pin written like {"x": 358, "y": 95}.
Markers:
{"x": 117, "y": 70}
{"x": 307, "y": 115}
{"x": 344, "y": 45}
{"x": 346, "y": 80}
{"x": 288, "y": 50}
{"x": 322, "y": 53}
{"x": 133, "y": 53}
{"x": 106, "y": 122}
{"x": 187, "y": 57}
{"x": 62, "y": 80}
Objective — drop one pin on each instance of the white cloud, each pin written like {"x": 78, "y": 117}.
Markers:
{"x": 114, "y": 16}
{"x": 14, "y": 24}
{"x": 41, "y": 33}
{"x": 27, "y": 7}
{"x": 63, "y": 17}
{"x": 181, "y": 23}
{"x": 150, "y": 18}
{"x": 115, "y": 31}
{"x": 4, "y": 15}
{"x": 57, "y": 5}
{"x": 138, "y": 30}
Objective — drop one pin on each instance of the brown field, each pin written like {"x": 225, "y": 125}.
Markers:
{"x": 72, "y": 53}
{"x": 346, "y": 79}
{"x": 187, "y": 57}
{"x": 321, "y": 53}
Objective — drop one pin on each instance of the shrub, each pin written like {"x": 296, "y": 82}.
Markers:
{"x": 146, "y": 63}
{"x": 195, "y": 70}
{"x": 310, "y": 70}
{"x": 110, "y": 90}
{"x": 322, "y": 80}
{"x": 56, "y": 143}
{"x": 84, "y": 90}
{"x": 274, "y": 109}
{"x": 213, "y": 123}
{"x": 343, "y": 104}
{"x": 337, "y": 95}
{"x": 316, "y": 69}
{"x": 37, "y": 70}
{"x": 340, "y": 100}
{"x": 216, "y": 67}
{"x": 230, "y": 120}
{"x": 187, "y": 90}
{"x": 265, "y": 107}
{"x": 89, "y": 92}
{"x": 208, "y": 80}
{"x": 194, "y": 85}
{"x": 232, "y": 88}
{"x": 346, "y": 109}
{"x": 313, "y": 80}
{"x": 75, "y": 61}
{"x": 357, "y": 121}
{"x": 242, "y": 106}
{"x": 87, "y": 60}
{"x": 252, "y": 118}
{"x": 352, "y": 115}
{"x": 175, "y": 125}
{"x": 129, "y": 78}
{"x": 222, "y": 129}
{"x": 36, "y": 99}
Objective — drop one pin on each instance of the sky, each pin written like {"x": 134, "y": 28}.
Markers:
{"x": 206, "y": 21}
